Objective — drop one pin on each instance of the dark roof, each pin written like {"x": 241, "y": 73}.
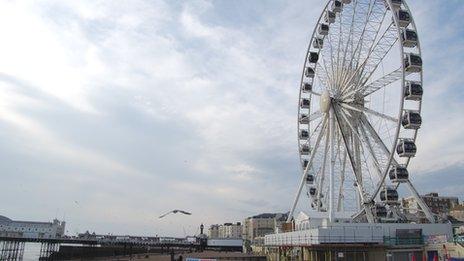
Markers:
{"x": 279, "y": 216}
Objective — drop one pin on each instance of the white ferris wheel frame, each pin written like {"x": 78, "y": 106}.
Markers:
{"x": 330, "y": 120}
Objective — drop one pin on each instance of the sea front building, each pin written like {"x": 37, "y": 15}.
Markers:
{"x": 438, "y": 204}
{"x": 31, "y": 229}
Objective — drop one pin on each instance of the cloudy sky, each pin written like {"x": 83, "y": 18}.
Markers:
{"x": 113, "y": 112}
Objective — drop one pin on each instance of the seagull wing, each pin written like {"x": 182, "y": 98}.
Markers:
{"x": 185, "y": 212}
{"x": 162, "y": 216}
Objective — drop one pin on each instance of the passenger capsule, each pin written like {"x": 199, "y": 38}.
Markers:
{"x": 380, "y": 210}
{"x": 314, "y": 204}
{"x": 412, "y": 62}
{"x": 398, "y": 174}
{"x": 312, "y": 191}
{"x": 304, "y": 104}
{"x": 395, "y": 3}
{"x": 306, "y": 87}
{"x": 409, "y": 38}
{"x": 411, "y": 120}
{"x": 404, "y": 18}
{"x": 313, "y": 57}
{"x": 337, "y": 6}
{"x": 323, "y": 29}
{"x": 304, "y": 119}
{"x": 318, "y": 43}
{"x": 304, "y": 150}
{"x": 413, "y": 91}
{"x": 389, "y": 195}
{"x": 304, "y": 135}
{"x": 406, "y": 148}
{"x": 329, "y": 17}
{"x": 309, "y": 72}
{"x": 309, "y": 179}
{"x": 304, "y": 163}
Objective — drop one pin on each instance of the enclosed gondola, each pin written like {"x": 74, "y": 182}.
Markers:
{"x": 411, "y": 120}
{"x": 398, "y": 174}
{"x": 318, "y": 43}
{"x": 306, "y": 87}
{"x": 409, "y": 38}
{"x": 312, "y": 191}
{"x": 329, "y": 17}
{"x": 313, "y": 57}
{"x": 323, "y": 29}
{"x": 389, "y": 195}
{"x": 304, "y": 149}
{"x": 413, "y": 91}
{"x": 412, "y": 63}
{"x": 309, "y": 72}
{"x": 314, "y": 204}
{"x": 337, "y": 6}
{"x": 304, "y": 119}
{"x": 304, "y": 163}
{"x": 304, "y": 135}
{"x": 309, "y": 179}
{"x": 395, "y": 3}
{"x": 406, "y": 148}
{"x": 305, "y": 103}
{"x": 380, "y": 210}
{"x": 404, "y": 18}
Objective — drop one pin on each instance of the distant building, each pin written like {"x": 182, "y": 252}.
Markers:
{"x": 226, "y": 230}
{"x": 230, "y": 230}
{"x": 458, "y": 212}
{"x": 437, "y": 204}
{"x": 30, "y": 229}
{"x": 263, "y": 224}
{"x": 213, "y": 231}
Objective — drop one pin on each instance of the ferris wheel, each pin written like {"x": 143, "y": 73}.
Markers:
{"x": 359, "y": 111}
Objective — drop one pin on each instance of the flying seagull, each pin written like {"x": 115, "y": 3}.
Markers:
{"x": 174, "y": 212}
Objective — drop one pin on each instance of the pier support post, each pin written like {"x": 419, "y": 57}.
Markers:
{"x": 11, "y": 250}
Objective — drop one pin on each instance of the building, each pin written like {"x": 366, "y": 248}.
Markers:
{"x": 263, "y": 224}
{"x": 226, "y": 230}
{"x": 31, "y": 229}
{"x": 438, "y": 204}
{"x": 213, "y": 231}
{"x": 230, "y": 230}
{"x": 458, "y": 212}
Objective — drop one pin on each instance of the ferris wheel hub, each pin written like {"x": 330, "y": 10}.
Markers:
{"x": 325, "y": 101}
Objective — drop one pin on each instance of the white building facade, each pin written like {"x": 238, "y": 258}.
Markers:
{"x": 31, "y": 229}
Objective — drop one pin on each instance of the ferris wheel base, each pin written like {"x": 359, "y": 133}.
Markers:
{"x": 306, "y": 233}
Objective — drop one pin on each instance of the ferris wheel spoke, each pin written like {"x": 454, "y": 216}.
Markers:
{"x": 341, "y": 196}
{"x": 321, "y": 178}
{"x": 376, "y": 84}
{"x": 369, "y": 146}
{"x": 348, "y": 41}
{"x": 372, "y": 23}
{"x": 324, "y": 76}
{"x": 369, "y": 111}
{"x": 383, "y": 81}
{"x": 373, "y": 26}
{"x": 360, "y": 188}
{"x": 378, "y": 52}
{"x": 377, "y": 139}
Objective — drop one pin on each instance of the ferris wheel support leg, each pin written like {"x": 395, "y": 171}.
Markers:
{"x": 332, "y": 163}
{"x": 303, "y": 177}
{"x": 423, "y": 206}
